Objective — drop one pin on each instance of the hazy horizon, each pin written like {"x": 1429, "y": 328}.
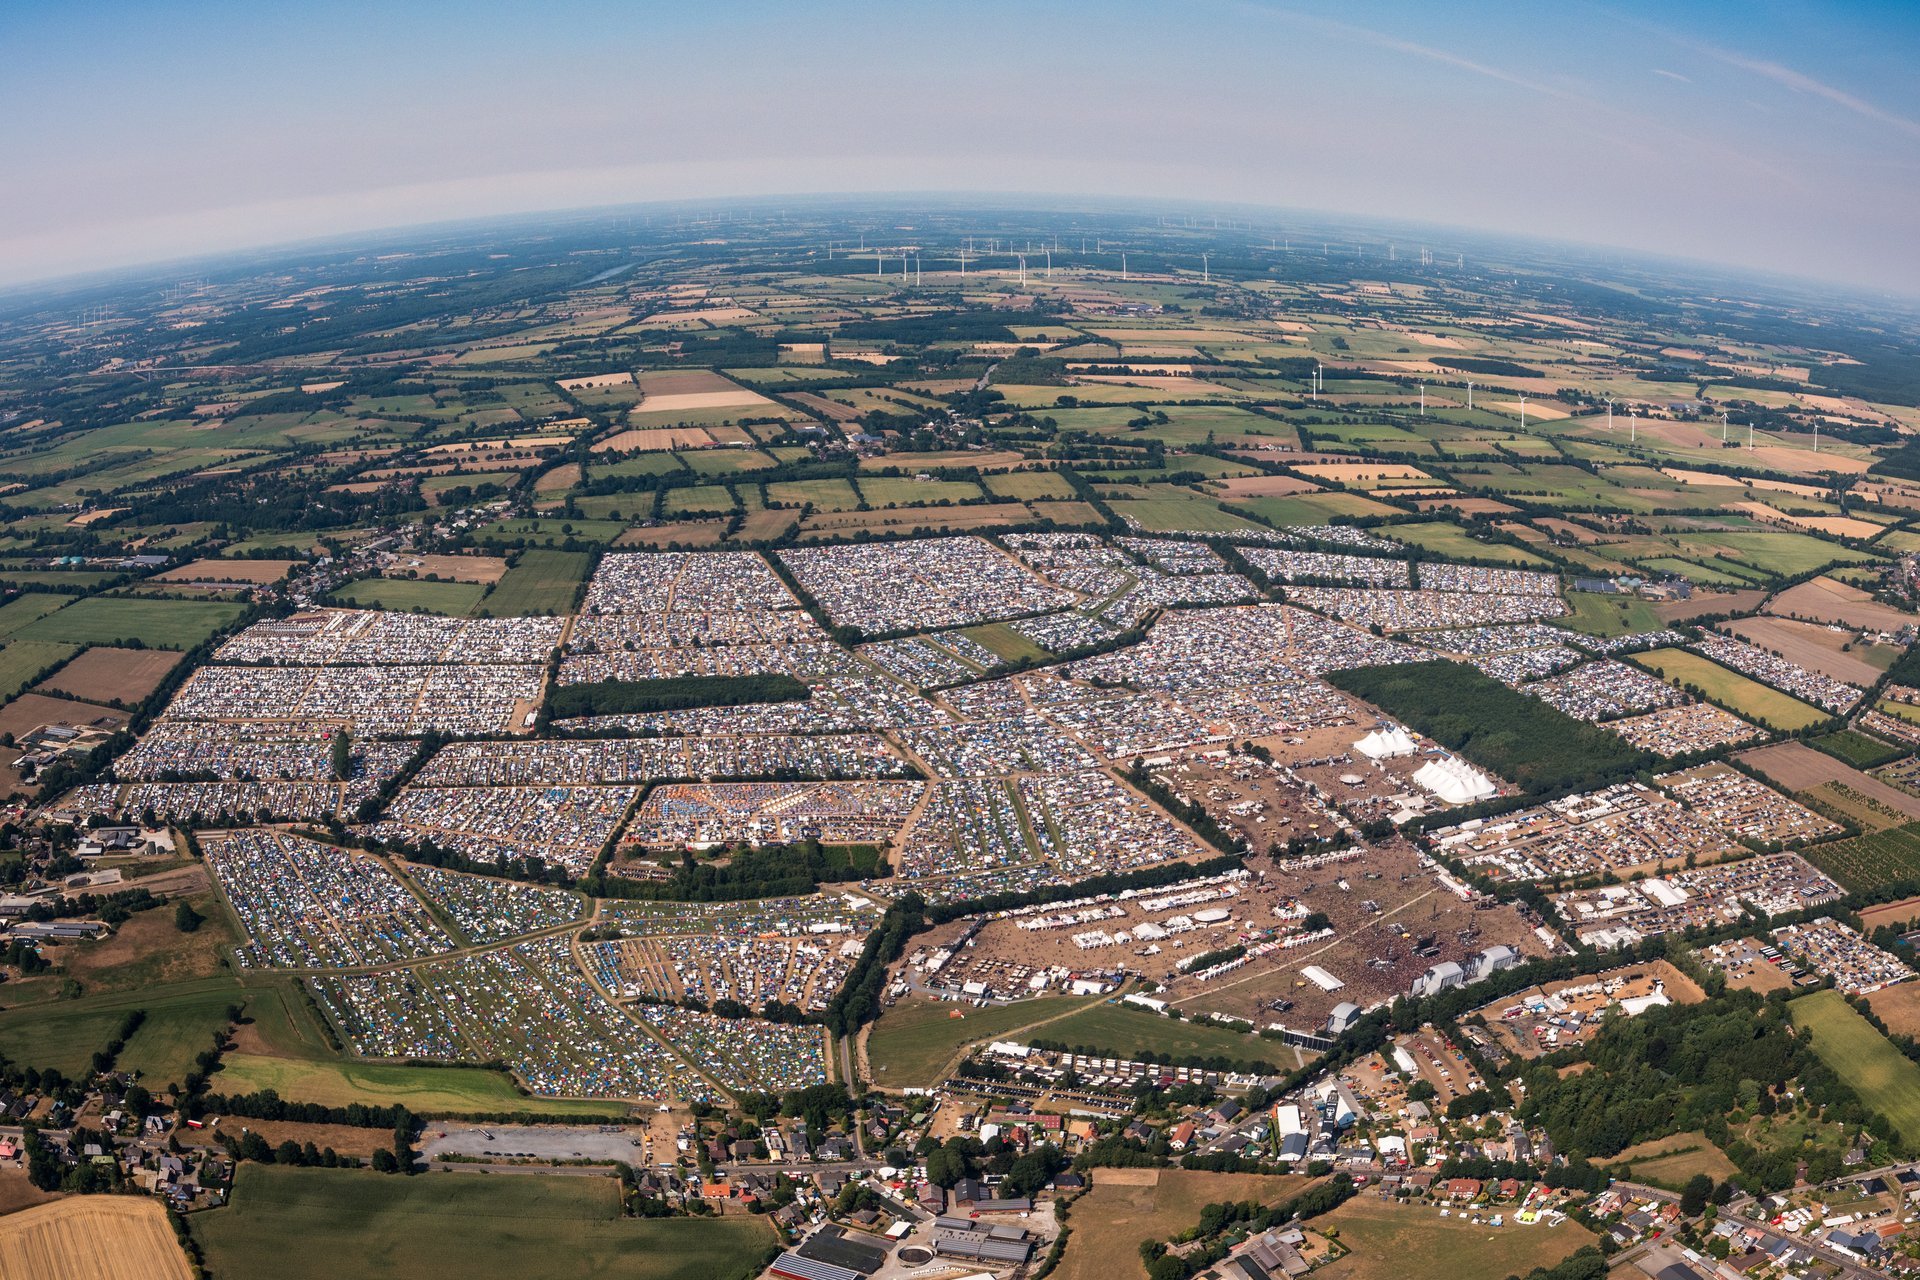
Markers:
{"x": 1782, "y": 138}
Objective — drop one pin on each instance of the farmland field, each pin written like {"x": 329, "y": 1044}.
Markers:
{"x": 456, "y": 1225}
{"x": 178, "y": 1026}
{"x": 1129, "y": 1206}
{"x": 1861, "y": 750}
{"x": 159, "y": 624}
{"x": 22, "y": 660}
{"x": 106, "y": 674}
{"x": 28, "y": 607}
{"x": 541, "y": 581}
{"x": 92, "y": 1238}
{"x": 1883, "y": 1077}
{"x": 1747, "y": 698}
{"x": 455, "y": 599}
{"x": 1866, "y": 862}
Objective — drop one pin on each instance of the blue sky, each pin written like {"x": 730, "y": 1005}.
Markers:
{"x": 1769, "y": 134}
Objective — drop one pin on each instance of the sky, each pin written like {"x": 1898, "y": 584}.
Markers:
{"x": 1773, "y": 134}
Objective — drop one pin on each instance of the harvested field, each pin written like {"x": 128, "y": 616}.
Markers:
{"x": 29, "y": 711}
{"x": 1394, "y": 1241}
{"x": 595, "y": 382}
{"x": 1898, "y": 1007}
{"x": 1704, "y": 602}
{"x": 830, "y": 409}
{"x": 258, "y": 572}
{"x": 1798, "y": 767}
{"x": 558, "y": 480}
{"x": 485, "y": 570}
{"x": 1827, "y": 600}
{"x": 92, "y": 1238}
{"x": 654, "y": 439}
{"x": 108, "y": 675}
{"x": 1905, "y": 911}
{"x": 1362, "y": 473}
{"x": 1672, "y": 1160}
{"x": 1263, "y": 487}
{"x": 1120, "y": 1212}
{"x": 1813, "y": 645}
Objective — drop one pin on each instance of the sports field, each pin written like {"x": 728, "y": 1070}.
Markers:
{"x": 1886, "y": 1080}
{"x": 92, "y": 1238}
{"x": 458, "y": 1225}
{"x": 1748, "y": 698}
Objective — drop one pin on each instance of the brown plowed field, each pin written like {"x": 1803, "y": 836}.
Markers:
{"x": 1798, "y": 767}
{"x": 1826, "y": 600}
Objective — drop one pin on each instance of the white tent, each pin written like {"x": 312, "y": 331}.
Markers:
{"x": 1455, "y": 781}
{"x": 1384, "y": 743}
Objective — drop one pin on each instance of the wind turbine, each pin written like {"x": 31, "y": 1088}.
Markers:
{"x": 1205, "y": 276}
{"x": 1469, "y": 394}
{"x": 1023, "y": 269}
{"x": 1609, "y": 413}
{"x": 1523, "y": 411}
{"x": 1723, "y": 426}
{"x": 1423, "y": 399}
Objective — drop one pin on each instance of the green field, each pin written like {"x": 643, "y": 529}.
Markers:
{"x": 1315, "y": 508}
{"x": 22, "y": 660}
{"x": 1028, "y": 484}
{"x": 916, "y": 1038}
{"x": 455, "y": 599}
{"x": 1599, "y": 615}
{"x": 725, "y": 462}
{"x": 323, "y": 1224}
{"x": 1005, "y": 641}
{"x": 892, "y": 491}
{"x": 540, "y": 581}
{"x": 180, "y": 1024}
{"x": 1767, "y": 707}
{"x": 1886, "y": 1080}
{"x": 1776, "y": 554}
{"x": 425, "y": 1089}
{"x": 825, "y": 495}
{"x": 1861, "y": 750}
{"x": 1174, "y": 513}
{"x": 158, "y": 624}
{"x": 1113, "y": 1030}
{"x": 1450, "y": 540}
{"x": 28, "y": 607}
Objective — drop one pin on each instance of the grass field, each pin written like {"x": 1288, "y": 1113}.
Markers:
{"x": 1886, "y": 1080}
{"x": 22, "y": 660}
{"x": 1315, "y": 508}
{"x": 1028, "y": 484}
{"x": 158, "y": 624}
{"x": 180, "y": 1024}
{"x": 1117, "y": 1031}
{"x": 891, "y": 491}
{"x": 540, "y": 581}
{"x": 1749, "y": 698}
{"x": 1129, "y": 1206}
{"x": 1445, "y": 539}
{"x": 1599, "y": 615}
{"x": 825, "y": 495}
{"x": 426, "y": 1089}
{"x": 457, "y": 1225}
{"x": 1670, "y": 1161}
{"x": 913, "y": 1040}
{"x": 455, "y": 599}
{"x": 92, "y": 1238}
{"x": 28, "y": 607}
{"x": 1391, "y": 1241}
{"x": 1175, "y": 514}
{"x": 1005, "y": 641}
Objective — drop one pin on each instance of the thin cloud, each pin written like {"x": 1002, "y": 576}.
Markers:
{"x": 1671, "y": 75}
{"x": 1800, "y": 82}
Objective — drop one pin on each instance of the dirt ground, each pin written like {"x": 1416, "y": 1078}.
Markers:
{"x": 1392, "y": 919}
{"x": 831, "y": 409}
{"x": 92, "y": 1238}
{"x": 106, "y": 674}
{"x": 1825, "y": 600}
{"x": 1745, "y": 967}
{"x": 1811, "y": 644}
{"x": 1516, "y": 1028}
{"x": 1797, "y": 767}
